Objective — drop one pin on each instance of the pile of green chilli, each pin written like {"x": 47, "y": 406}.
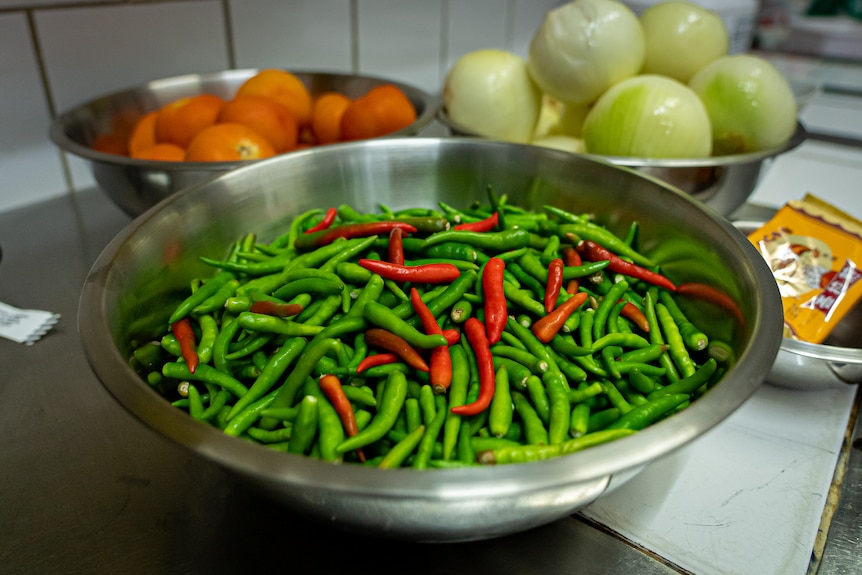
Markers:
{"x": 432, "y": 338}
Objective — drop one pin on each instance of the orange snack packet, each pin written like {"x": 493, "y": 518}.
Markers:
{"x": 815, "y": 251}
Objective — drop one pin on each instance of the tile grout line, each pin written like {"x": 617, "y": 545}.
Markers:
{"x": 444, "y": 42}
{"x": 228, "y": 33}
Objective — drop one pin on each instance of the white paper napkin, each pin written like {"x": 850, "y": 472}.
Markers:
{"x": 25, "y": 326}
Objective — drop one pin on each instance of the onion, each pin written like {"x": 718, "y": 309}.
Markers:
{"x": 491, "y": 93}
{"x": 681, "y": 38}
{"x": 584, "y": 47}
{"x": 750, "y": 104}
{"x": 557, "y": 118}
{"x": 648, "y": 116}
{"x": 560, "y": 142}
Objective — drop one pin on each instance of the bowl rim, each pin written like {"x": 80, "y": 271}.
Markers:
{"x": 591, "y": 465}
{"x": 57, "y": 130}
{"x": 800, "y": 134}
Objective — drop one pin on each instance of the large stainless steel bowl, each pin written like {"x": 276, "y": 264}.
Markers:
{"x": 723, "y": 183}
{"x": 157, "y": 255}
{"x": 137, "y": 185}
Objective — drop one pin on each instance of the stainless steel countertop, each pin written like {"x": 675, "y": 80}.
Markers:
{"x": 88, "y": 489}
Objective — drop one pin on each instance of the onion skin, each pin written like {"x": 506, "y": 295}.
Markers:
{"x": 648, "y": 116}
{"x": 584, "y": 47}
{"x": 491, "y": 93}
{"x": 750, "y": 104}
{"x": 561, "y": 142}
{"x": 681, "y": 38}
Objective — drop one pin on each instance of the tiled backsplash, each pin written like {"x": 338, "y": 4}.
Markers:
{"x": 55, "y": 54}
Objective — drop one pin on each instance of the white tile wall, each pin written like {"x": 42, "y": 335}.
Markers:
{"x": 30, "y": 169}
{"x": 292, "y": 34}
{"x": 55, "y": 54}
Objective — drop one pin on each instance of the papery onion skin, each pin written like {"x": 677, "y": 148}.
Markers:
{"x": 750, "y": 104}
{"x": 681, "y": 38}
{"x": 491, "y": 93}
{"x": 557, "y": 118}
{"x": 584, "y": 47}
{"x": 648, "y": 116}
{"x": 561, "y": 142}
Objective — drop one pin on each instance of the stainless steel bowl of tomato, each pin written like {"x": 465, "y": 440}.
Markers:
{"x": 96, "y": 131}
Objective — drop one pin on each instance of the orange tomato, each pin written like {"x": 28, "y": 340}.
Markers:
{"x": 383, "y": 110}
{"x": 161, "y": 152}
{"x": 326, "y": 117}
{"x": 228, "y": 142}
{"x": 180, "y": 121}
{"x": 284, "y": 88}
{"x": 143, "y": 134}
{"x": 266, "y": 117}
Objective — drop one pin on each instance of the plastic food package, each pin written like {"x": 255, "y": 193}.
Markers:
{"x": 815, "y": 252}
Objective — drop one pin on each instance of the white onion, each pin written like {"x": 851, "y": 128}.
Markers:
{"x": 584, "y": 47}
{"x": 491, "y": 93}
{"x": 558, "y": 118}
{"x": 648, "y": 116}
{"x": 560, "y": 142}
{"x": 750, "y": 104}
{"x": 681, "y": 38}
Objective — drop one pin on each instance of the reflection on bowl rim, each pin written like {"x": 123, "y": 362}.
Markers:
{"x": 799, "y": 135}
{"x": 59, "y": 137}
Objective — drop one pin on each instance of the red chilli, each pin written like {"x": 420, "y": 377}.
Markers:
{"x": 594, "y": 252}
{"x": 323, "y": 224}
{"x": 496, "y": 311}
{"x": 440, "y": 369}
{"x": 452, "y": 336}
{"x": 396, "y": 344}
{"x": 330, "y": 385}
{"x": 712, "y": 295}
{"x": 631, "y": 312}
{"x": 554, "y": 284}
{"x": 426, "y": 273}
{"x": 478, "y": 340}
{"x": 348, "y": 231}
{"x": 182, "y": 330}
{"x": 395, "y": 249}
{"x": 485, "y": 225}
{"x": 571, "y": 257}
{"x": 375, "y": 360}
{"x": 274, "y": 308}
{"x": 547, "y": 327}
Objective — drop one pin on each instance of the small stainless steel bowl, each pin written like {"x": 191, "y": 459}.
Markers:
{"x": 136, "y": 185}
{"x": 803, "y": 365}
{"x": 142, "y": 271}
{"x": 723, "y": 183}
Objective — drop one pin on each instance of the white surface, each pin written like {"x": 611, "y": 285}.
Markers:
{"x": 830, "y": 172}
{"x": 747, "y": 497}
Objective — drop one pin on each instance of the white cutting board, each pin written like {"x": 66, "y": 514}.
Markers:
{"x": 747, "y": 497}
